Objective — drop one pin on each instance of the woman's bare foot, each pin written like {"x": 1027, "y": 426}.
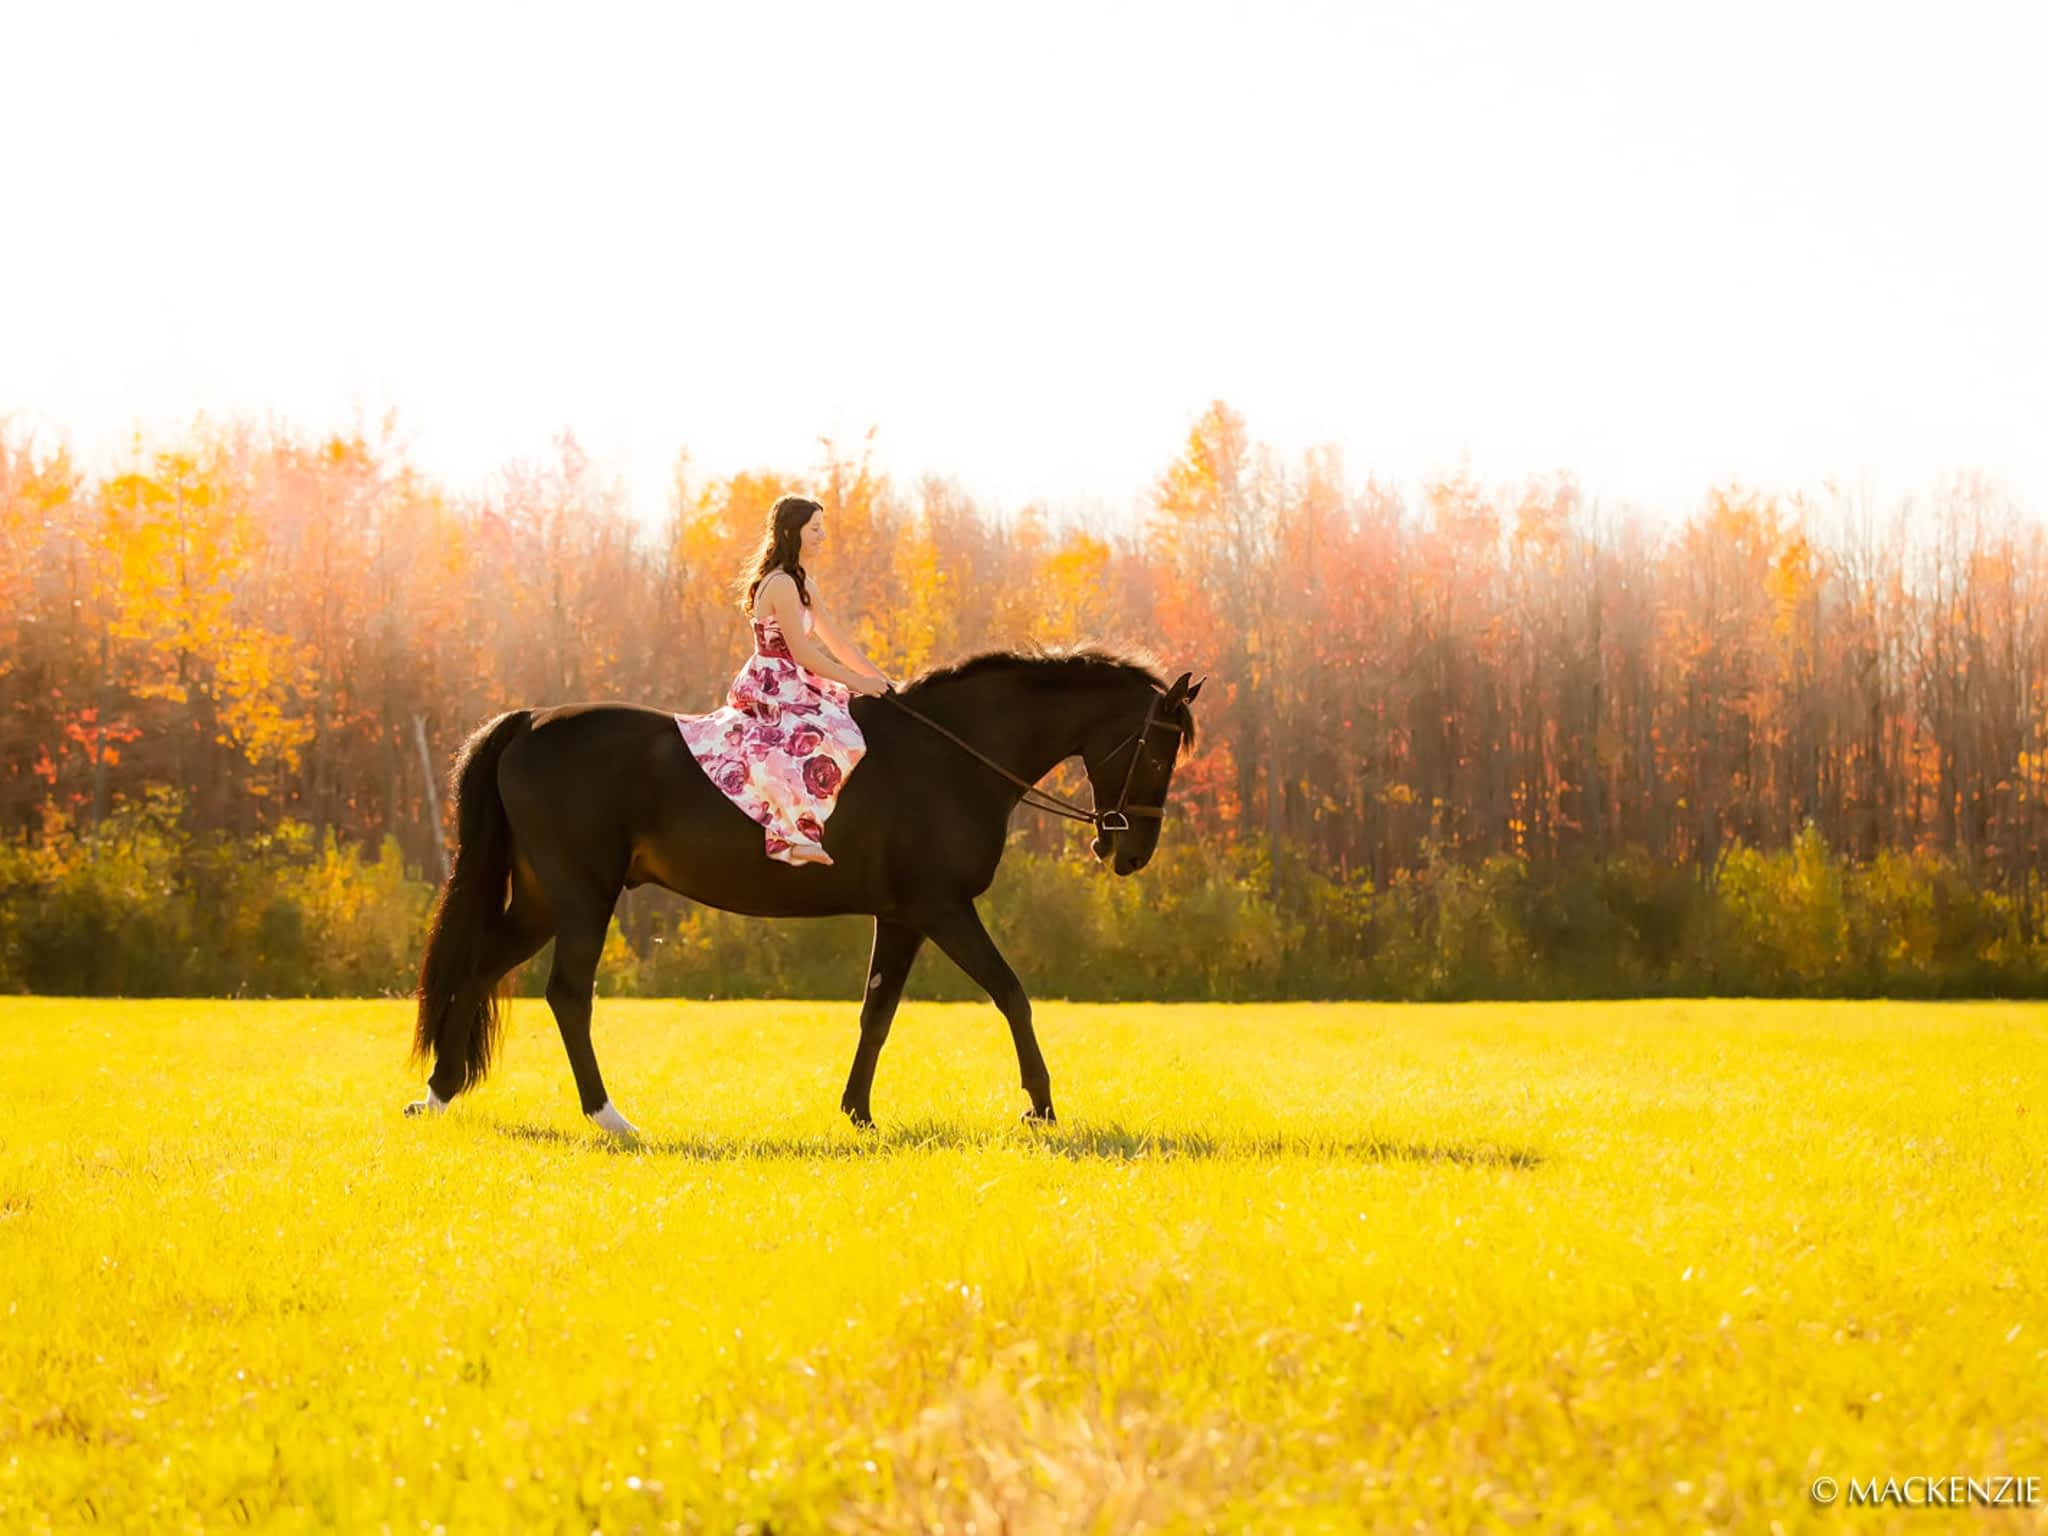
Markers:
{"x": 808, "y": 853}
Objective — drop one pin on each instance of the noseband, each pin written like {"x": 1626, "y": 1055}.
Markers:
{"x": 1115, "y": 819}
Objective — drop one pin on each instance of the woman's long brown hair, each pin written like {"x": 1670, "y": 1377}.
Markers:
{"x": 781, "y": 542}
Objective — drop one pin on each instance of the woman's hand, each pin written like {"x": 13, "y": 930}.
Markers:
{"x": 868, "y": 687}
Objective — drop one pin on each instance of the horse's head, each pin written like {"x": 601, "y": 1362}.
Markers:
{"x": 1130, "y": 768}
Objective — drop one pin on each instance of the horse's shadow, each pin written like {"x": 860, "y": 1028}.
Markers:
{"x": 1077, "y": 1143}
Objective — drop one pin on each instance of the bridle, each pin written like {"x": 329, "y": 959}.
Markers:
{"x": 1118, "y": 817}
{"x": 1115, "y": 819}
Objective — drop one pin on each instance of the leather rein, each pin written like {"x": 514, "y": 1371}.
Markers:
{"x": 1116, "y": 819}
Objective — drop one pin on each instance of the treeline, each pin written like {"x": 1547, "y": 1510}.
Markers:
{"x": 1407, "y": 693}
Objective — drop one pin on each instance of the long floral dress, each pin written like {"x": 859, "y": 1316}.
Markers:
{"x": 781, "y": 746}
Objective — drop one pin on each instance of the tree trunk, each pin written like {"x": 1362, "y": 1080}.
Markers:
{"x": 438, "y": 836}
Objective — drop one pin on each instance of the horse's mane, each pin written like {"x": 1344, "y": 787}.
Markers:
{"x": 1074, "y": 662}
{"x": 1063, "y": 663}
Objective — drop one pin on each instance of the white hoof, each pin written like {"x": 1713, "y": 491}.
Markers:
{"x": 609, "y": 1119}
{"x": 432, "y": 1104}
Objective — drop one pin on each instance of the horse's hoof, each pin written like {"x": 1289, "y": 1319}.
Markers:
{"x": 432, "y": 1104}
{"x": 1043, "y": 1116}
{"x": 610, "y": 1120}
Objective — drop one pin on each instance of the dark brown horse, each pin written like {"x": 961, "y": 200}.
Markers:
{"x": 557, "y": 810}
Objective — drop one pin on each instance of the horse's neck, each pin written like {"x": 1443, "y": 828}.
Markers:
{"x": 1028, "y": 729}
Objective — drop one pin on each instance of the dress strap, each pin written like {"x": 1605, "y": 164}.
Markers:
{"x": 754, "y": 611}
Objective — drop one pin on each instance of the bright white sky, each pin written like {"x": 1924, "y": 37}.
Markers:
{"x": 1659, "y": 246}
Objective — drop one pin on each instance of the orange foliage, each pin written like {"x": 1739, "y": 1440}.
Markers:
{"x": 272, "y": 622}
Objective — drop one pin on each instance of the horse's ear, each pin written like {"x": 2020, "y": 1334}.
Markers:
{"x": 1196, "y": 688}
{"x": 1179, "y": 689}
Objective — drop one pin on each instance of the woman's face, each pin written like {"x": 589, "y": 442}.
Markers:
{"x": 812, "y": 535}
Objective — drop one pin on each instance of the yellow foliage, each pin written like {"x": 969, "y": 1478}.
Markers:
{"x": 1198, "y": 486}
{"x": 1795, "y": 570}
{"x": 1074, "y": 584}
{"x": 260, "y": 676}
{"x": 924, "y": 609}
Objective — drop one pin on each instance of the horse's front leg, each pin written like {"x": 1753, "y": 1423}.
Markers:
{"x": 957, "y": 930}
{"x": 896, "y": 945}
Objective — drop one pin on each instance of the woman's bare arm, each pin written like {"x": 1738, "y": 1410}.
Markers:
{"x": 777, "y": 595}
{"x": 842, "y": 647}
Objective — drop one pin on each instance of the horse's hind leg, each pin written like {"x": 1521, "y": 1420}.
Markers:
{"x": 513, "y": 941}
{"x": 579, "y": 941}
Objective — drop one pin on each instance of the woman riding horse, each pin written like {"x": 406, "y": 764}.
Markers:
{"x": 787, "y": 738}
{"x": 559, "y": 809}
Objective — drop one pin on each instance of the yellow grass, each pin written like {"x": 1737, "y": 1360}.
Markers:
{"x": 1316, "y": 1267}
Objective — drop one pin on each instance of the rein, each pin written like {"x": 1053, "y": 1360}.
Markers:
{"x": 1116, "y": 819}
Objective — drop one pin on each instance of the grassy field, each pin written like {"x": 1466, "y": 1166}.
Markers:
{"x": 1616, "y": 1266}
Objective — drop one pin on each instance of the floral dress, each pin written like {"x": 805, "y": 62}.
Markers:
{"x": 781, "y": 746}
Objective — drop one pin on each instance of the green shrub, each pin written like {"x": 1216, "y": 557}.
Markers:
{"x": 136, "y": 907}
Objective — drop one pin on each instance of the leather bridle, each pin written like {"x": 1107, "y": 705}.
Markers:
{"x": 1117, "y": 818}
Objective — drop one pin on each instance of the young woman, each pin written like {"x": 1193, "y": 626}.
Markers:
{"x": 786, "y": 738}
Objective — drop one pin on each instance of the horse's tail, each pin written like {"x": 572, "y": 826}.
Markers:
{"x": 459, "y": 1005}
